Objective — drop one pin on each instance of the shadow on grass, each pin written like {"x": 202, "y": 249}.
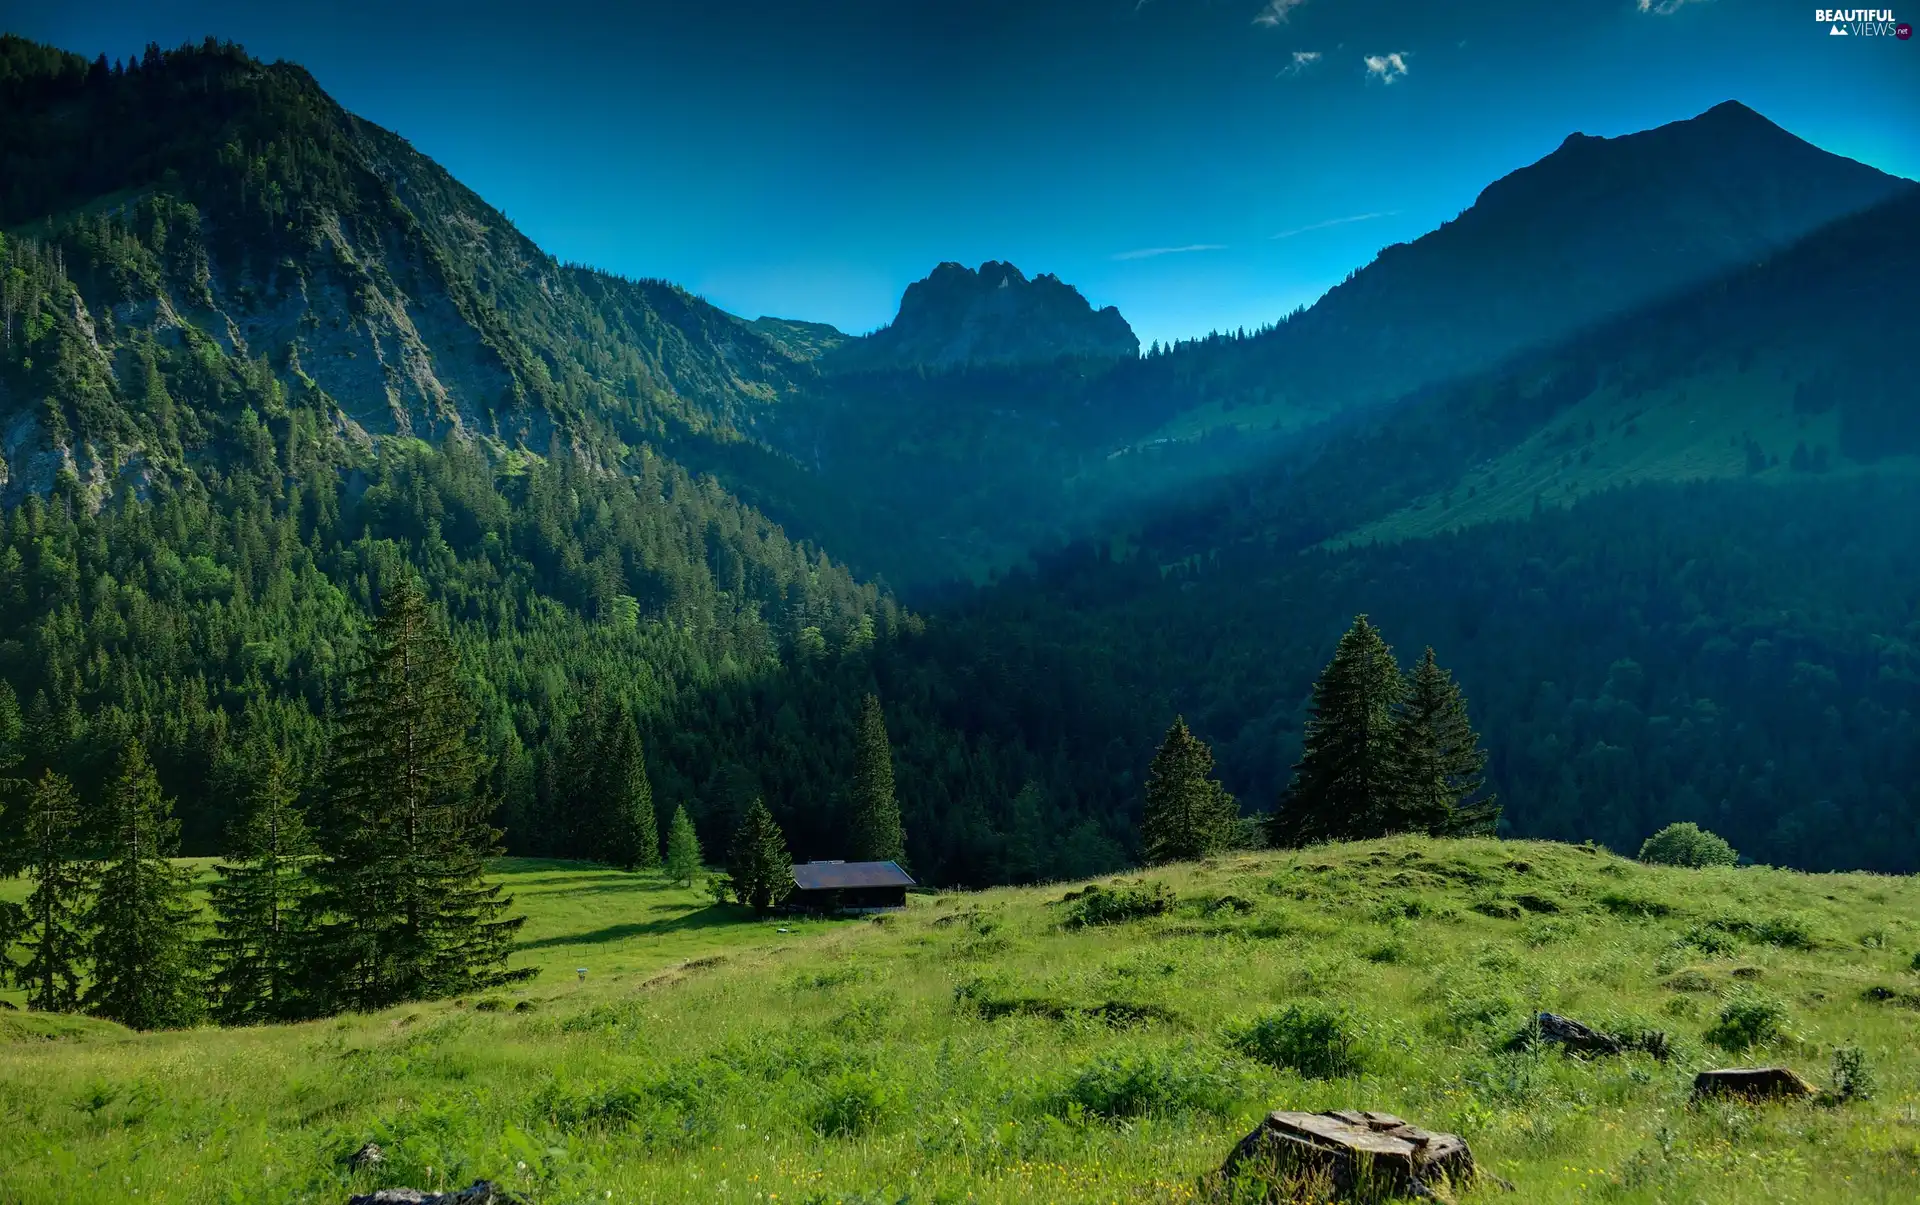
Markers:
{"x": 602, "y": 887}
{"x": 713, "y": 916}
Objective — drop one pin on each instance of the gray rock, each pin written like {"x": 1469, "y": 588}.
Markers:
{"x": 1754, "y": 1083}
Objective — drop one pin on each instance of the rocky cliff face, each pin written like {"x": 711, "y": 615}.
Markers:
{"x": 958, "y": 316}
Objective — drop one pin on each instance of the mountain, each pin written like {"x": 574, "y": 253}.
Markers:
{"x": 798, "y": 340}
{"x": 1672, "y": 560}
{"x": 923, "y": 476}
{"x": 958, "y": 316}
{"x": 259, "y": 357}
{"x": 1599, "y": 227}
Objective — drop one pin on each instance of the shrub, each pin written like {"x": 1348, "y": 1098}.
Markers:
{"x": 1111, "y": 907}
{"x": 1749, "y": 1019}
{"x": 1687, "y": 844}
{"x": 1790, "y": 930}
{"x": 850, "y": 1103}
{"x": 1915, "y": 964}
{"x": 1316, "y": 1040}
{"x": 1852, "y": 1074}
{"x": 1621, "y": 904}
{"x": 1711, "y": 940}
{"x": 1134, "y": 1083}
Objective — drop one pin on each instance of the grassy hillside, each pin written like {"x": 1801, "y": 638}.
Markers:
{"x": 1718, "y": 423}
{"x": 988, "y": 1047}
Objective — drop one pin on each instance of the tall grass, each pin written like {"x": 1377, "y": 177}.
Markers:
{"x": 993, "y": 1046}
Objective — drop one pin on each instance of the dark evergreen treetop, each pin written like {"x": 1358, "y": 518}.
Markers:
{"x": 877, "y": 834}
{"x": 141, "y": 919}
{"x": 758, "y": 864}
{"x": 1344, "y": 781}
{"x": 1188, "y": 814}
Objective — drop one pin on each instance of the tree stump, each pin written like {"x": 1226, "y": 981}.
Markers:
{"x": 1754, "y": 1083}
{"x": 1351, "y": 1151}
{"x": 1571, "y": 1035}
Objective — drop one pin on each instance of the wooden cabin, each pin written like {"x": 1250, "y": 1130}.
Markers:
{"x": 849, "y": 887}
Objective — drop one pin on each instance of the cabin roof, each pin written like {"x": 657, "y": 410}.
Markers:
{"x": 832, "y": 876}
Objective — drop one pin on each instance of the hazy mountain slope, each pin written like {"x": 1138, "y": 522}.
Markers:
{"x": 1794, "y": 365}
{"x": 1598, "y": 227}
{"x": 958, "y": 473}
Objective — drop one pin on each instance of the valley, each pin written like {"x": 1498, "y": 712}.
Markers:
{"x": 424, "y": 659}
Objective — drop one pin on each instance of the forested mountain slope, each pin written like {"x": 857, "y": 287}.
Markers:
{"x": 1675, "y": 563}
{"x": 257, "y": 357}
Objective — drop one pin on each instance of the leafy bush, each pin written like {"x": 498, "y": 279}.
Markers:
{"x": 1749, "y": 1019}
{"x": 1096, "y": 906}
{"x": 1134, "y": 1083}
{"x": 1314, "y": 1039}
{"x": 1791, "y": 931}
{"x": 1852, "y": 1074}
{"x": 850, "y": 1103}
{"x": 1621, "y": 904}
{"x": 1687, "y": 844}
{"x": 1915, "y": 964}
{"x": 1710, "y": 940}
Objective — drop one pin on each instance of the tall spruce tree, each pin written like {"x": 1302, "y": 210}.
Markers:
{"x": 585, "y": 781}
{"x": 1346, "y": 782}
{"x": 1438, "y": 758}
{"x": 877, "y": 832}
{"x": 262, "y": 939}
{"x": 629, "y": 830}
{"x": 142, "y": 918}
{"x": 408, "y": 911}
{"x": 683, "y": 849}
{"x": 1188, "y": 814}
{"x": 53, "y": 851}
{"x": 759, "y": 867}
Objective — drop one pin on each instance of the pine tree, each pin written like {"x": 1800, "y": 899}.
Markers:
{"x": 408, "y": 911}
{"x": 877, "y": 834}
{"x": 630, "y": 832}
{"x": 1025, "y": 852}
{"x": 259, "y": 903}
{"x": 1345, "y": 782}
{"x": 1438, "y": 758}
{"x": 1188, "y": 814}
{"x": 585, "y": 781}
{"x": 141, "y": 917}
{"x": 53, "y": 852}
{"x": 684, "y": 862}
{"x": 758, "y": 865}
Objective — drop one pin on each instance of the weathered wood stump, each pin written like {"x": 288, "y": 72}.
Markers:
{"x": 1571, "y": 1035}
{"x": 480, "y": 1192}
{"x": 1352, "y": 1151}
{"x": 1754, "y": 1083}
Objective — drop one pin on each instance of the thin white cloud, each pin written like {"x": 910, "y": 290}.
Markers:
{"x": 1665, "y": 8}
{"x": 1150, "y": 252}
{"x": 1275, "y": 12}
{"x": 1387, "y": 67}
{"x": 1358, "y": 217}
{"x": 1302, "y": 59}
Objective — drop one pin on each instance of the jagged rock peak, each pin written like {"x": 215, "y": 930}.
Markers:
{"x": 993, "y": 315}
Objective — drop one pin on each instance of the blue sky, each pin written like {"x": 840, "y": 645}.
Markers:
{"x": 1199, "y": 163}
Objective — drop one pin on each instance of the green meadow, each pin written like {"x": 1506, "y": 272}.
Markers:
{"x": 1020, "y": 1045}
